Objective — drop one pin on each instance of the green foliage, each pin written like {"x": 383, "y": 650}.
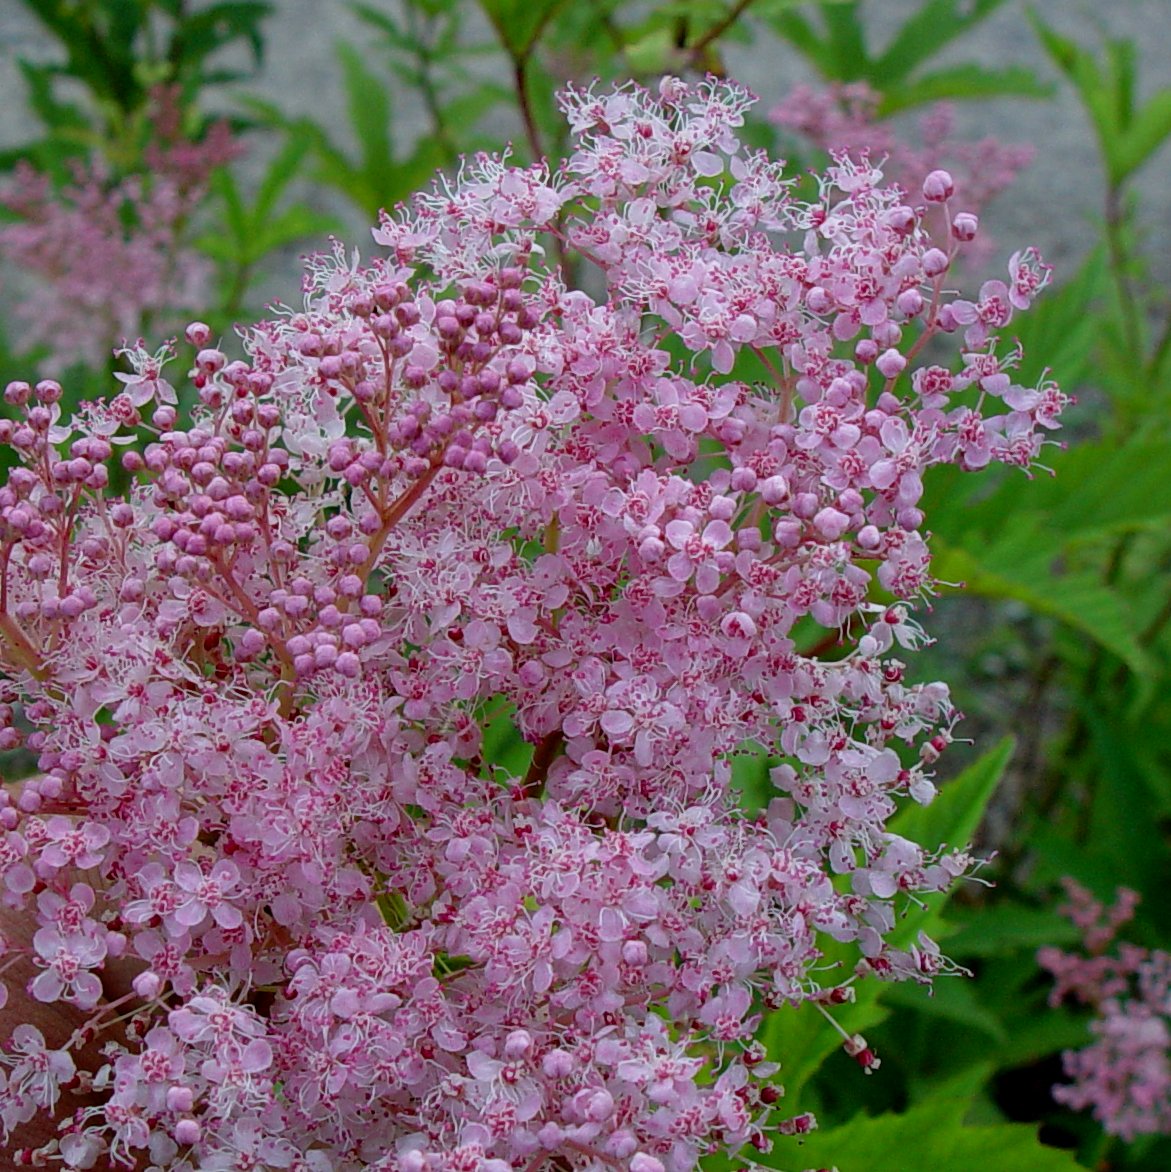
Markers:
{"x": 838, "y": 50}
{"x": 932, "y": 1135}
{"x": 377, "y": 178}
{"x": 519, "y": 23}
{"x": 117, "y": 51}
{"x": 1128, "y": 134}
{"x": 249, "y": 230}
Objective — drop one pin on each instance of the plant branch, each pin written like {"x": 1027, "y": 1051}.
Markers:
{"x": 696, "y": 51}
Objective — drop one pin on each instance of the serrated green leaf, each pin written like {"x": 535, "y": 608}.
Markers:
{"x": 383, "y": 22}
{"x": 236, "y": 217}
{"x": 1040, "y": 1035}
{"x": 1021, "y": 565}
{"x": 797, "y": 30}
{"x": 278, "y": 175}
{"x": 1121, "y": 806}
{"x": 466, "y": 110}
{"x": 293, "y": 224}
{"x": 930, "y": 1136}
{"x": 1108, "y": 96}
{"x": 204, "y": 32}
{"x": 503, "y": 748}
{"x": 653, "y": 52}
{"x": 1121, "y": 69}
{"x": 846, "y": 37}
{"x": 55, "y": 114}
{"x": 218, "y": 248}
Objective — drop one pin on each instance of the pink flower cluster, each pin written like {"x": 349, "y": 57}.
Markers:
{"x": 844, "y": 117}
{"x": 645, "y": 530}
{"x": 1124, "y": 1076}
{"x": 107, "y": 257}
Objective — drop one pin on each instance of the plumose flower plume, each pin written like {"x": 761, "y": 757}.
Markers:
{"x": 647, "y": 530}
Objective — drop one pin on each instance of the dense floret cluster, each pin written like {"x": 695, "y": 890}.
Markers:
{"x": 449, "y": 496}
{"x": 847, "y": 116}
{"x": 1124, "y": 1075}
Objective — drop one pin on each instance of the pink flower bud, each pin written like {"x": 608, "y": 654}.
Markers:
{"x": 634, "y": 953}
{"x": 909, "y": 302}
{"x": 147, "y": 985}
{"x": 187, "y": 1131}
{"x": 210, "y": 361}
{"x": 891, "y": 364}
{"x": 773, "y": 490}
{"x": 641, "y": 1162}
{"x": 935, "y": 262}
{"x": 831, "y": 523}
{"x": 938, "y": 187}
{"x": 517, "y": 1044}
{"x": 348, "y": 664}
{"x": 965, "y": 226}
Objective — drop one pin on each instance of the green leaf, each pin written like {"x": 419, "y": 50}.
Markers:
{"x": 1046, "y": 1032}
{"x": 278, "y": 175}
{"x": 950, "y": 999}
{"x": 1009, "y": 928}
{"x": 840, "y": 54}
{"x": 502, "y": 747}
{"x": 466, "y": 110}
{"x": 56, "y": 115}
{"x": 797, "y": 30}
{"x": 236, "y": 216}
{"x": 1020, "y": 564}
{"x": 384, "y": 23}
{"x": 930, "y": 1136}
{"x": 847, "y": 41}
{"x": 964, "y": 82}
{"x": 1148, "y": 130}
{"x": 1121, "y": 807}
{"x": 370, "y": 114}
{"x": 293, "y": 224}
{"x": 519, "y": 23}
{"x": 653, "y": 52}
{"x": 1126, "y": 139}
{"x": 923, "y": 35}
{"x": 202, "y": 33}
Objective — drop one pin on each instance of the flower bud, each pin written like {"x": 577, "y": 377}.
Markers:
{"x": 938, "y": 187}
{"x": 965, "y": 226}
{"x": 935, "y": 262}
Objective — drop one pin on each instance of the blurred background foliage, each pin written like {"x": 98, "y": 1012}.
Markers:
{"x": 147, "y": 139}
